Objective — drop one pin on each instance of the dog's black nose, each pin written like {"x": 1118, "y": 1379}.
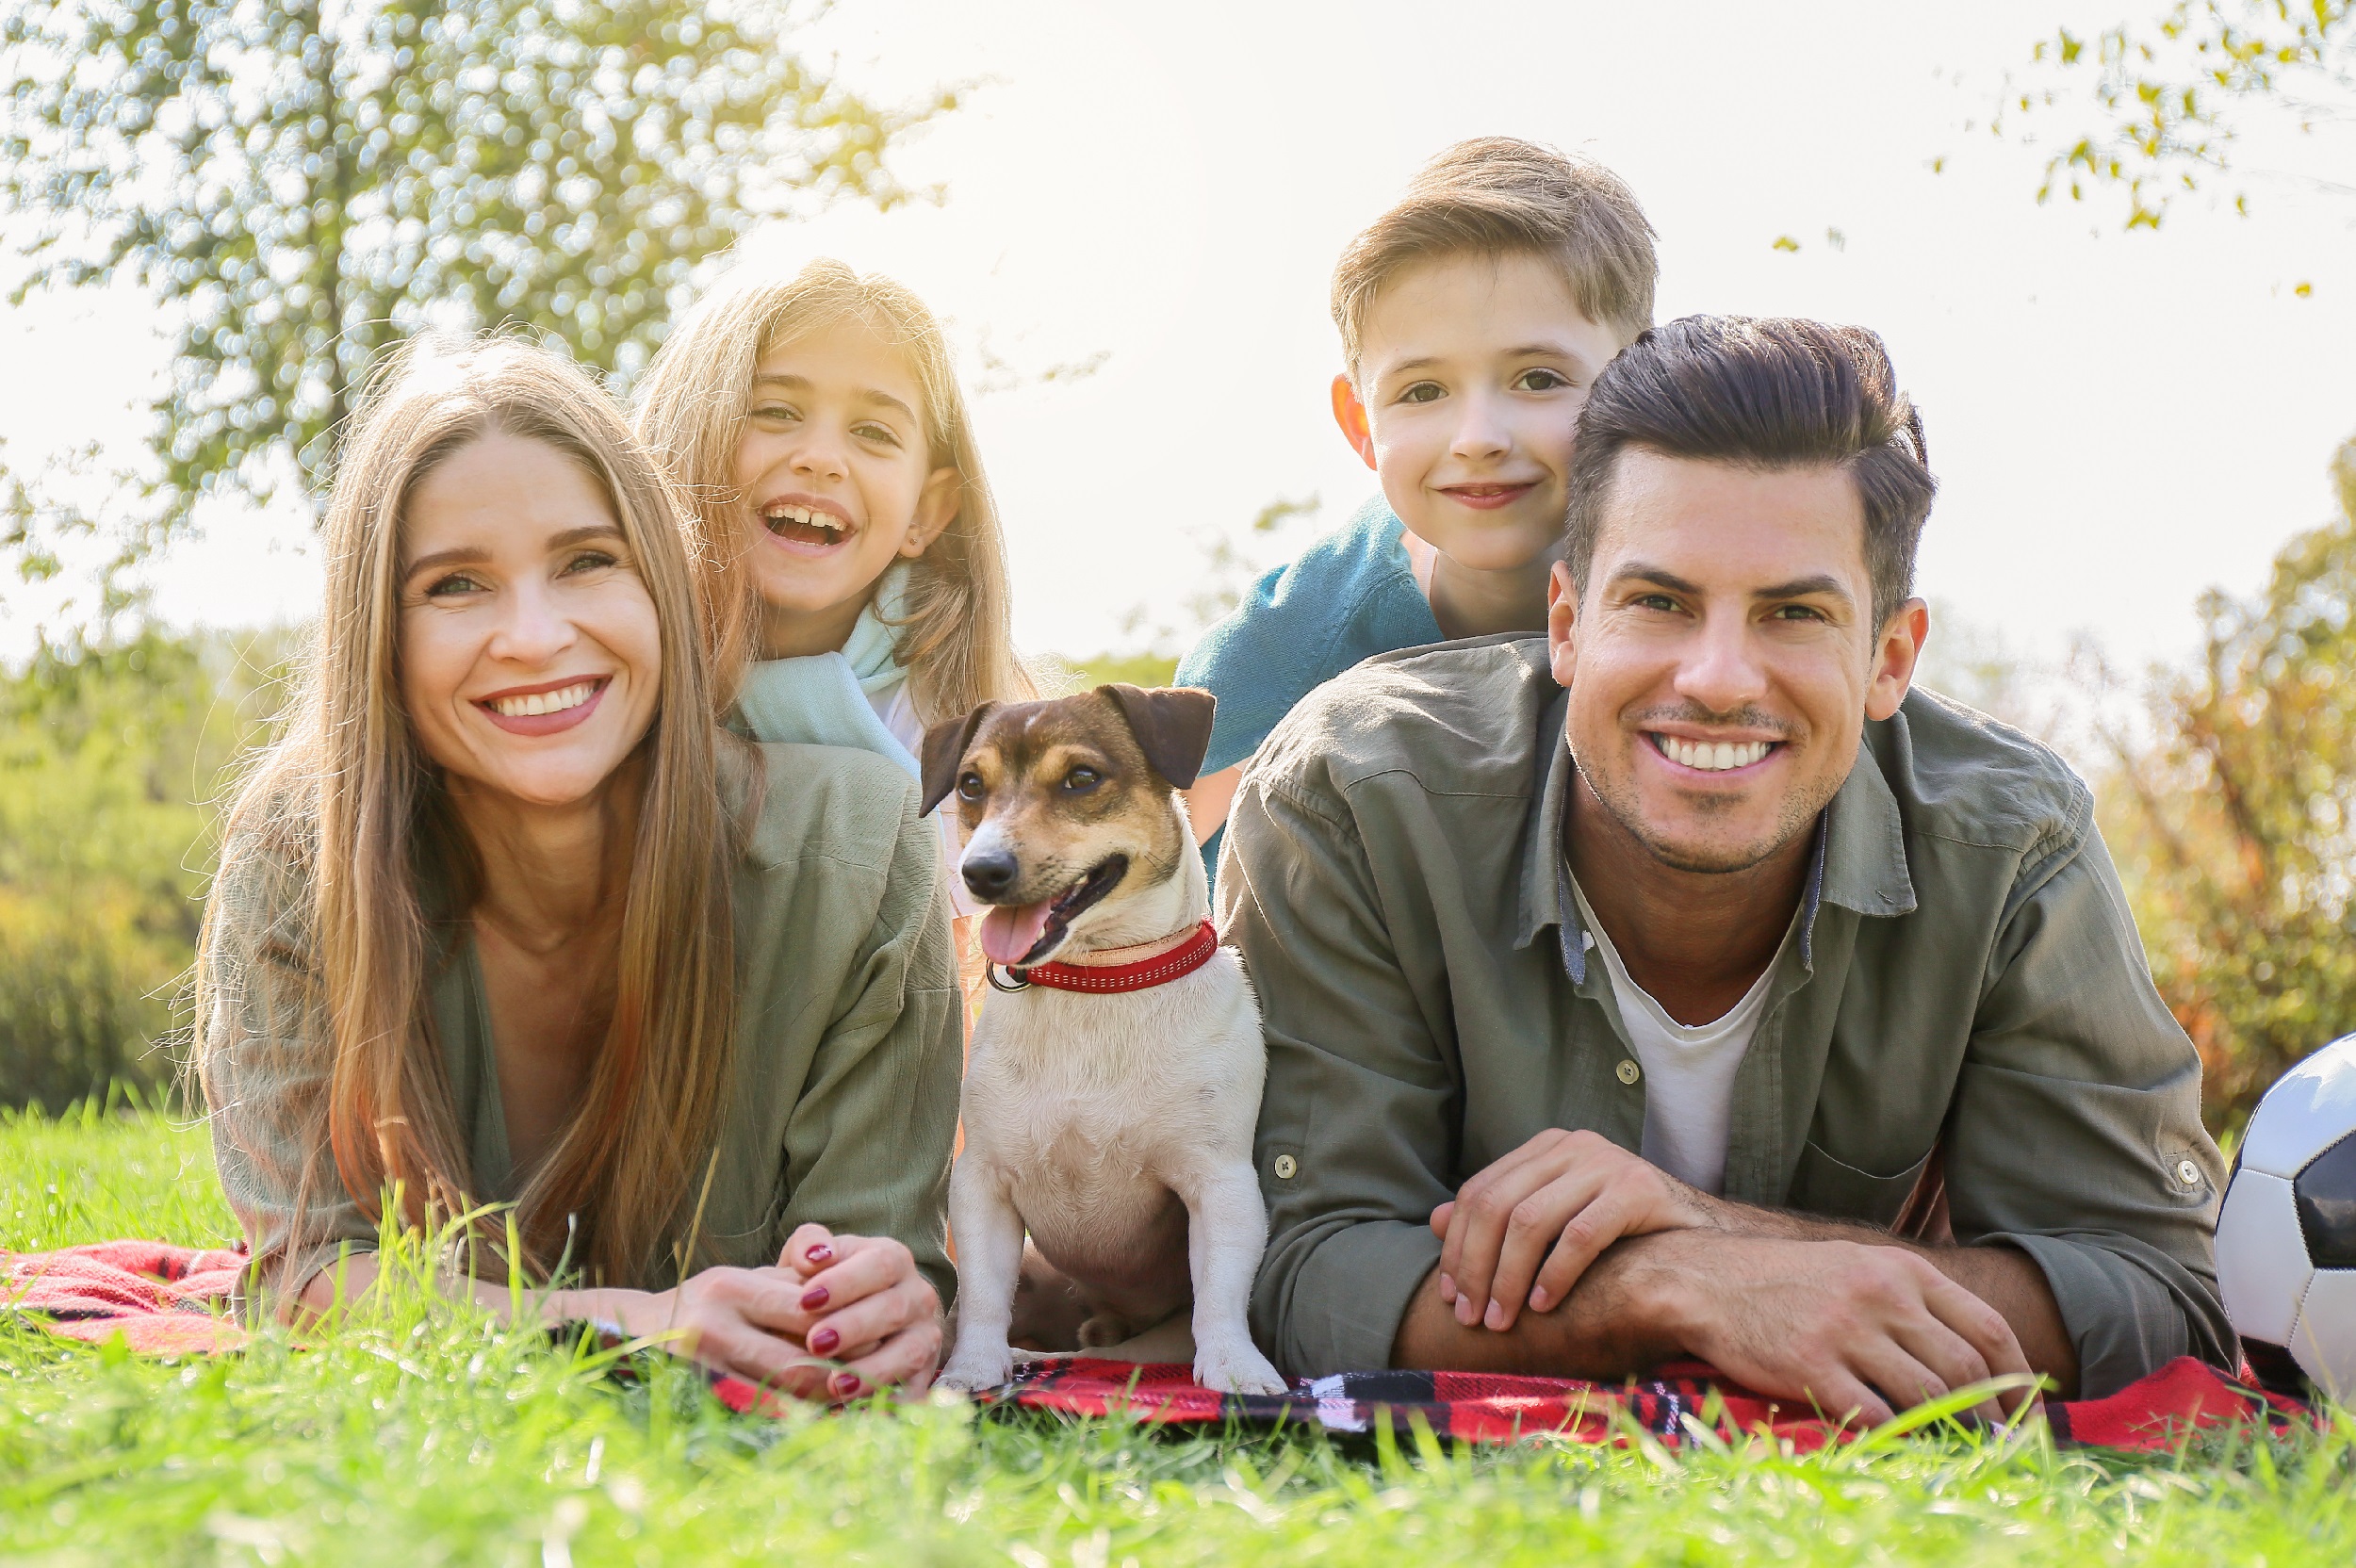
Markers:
{"x": 991, "y": 875}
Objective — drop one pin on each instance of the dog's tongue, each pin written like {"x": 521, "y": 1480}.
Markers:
{"x": 1010, "y": 931}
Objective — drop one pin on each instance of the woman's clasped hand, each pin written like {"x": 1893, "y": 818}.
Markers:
{"x": 836, "y": 1317}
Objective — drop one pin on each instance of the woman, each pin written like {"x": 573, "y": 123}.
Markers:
{"x": 505, "y": 918}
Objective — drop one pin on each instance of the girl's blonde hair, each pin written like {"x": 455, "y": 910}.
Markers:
{"x": 957, "y": 641}
{"x": 345, "y": 813}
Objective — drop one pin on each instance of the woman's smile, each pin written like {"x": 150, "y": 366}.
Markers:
{"x": 545, "y": 709}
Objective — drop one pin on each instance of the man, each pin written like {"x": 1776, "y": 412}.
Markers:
{"x": 1680, "y": 985}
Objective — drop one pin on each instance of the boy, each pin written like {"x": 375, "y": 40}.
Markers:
{"x": 1474, "y": 316}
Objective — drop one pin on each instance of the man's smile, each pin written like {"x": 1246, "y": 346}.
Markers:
{"x": 1707, "y": 755}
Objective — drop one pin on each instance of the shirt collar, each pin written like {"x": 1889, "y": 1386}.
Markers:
{"x": 1859, "y": 861}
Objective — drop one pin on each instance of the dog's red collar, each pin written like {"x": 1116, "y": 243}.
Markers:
{"x": 1146, "y": 974}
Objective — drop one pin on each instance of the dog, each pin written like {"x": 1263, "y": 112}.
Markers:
{"x": 1117, "y": 1066}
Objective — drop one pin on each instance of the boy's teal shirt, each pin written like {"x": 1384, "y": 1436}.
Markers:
{"x": 1351, "y": 595}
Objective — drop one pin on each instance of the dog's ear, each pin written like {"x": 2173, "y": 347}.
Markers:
{"x": 944, "y": 748}
{"x": 1173, "y": 725}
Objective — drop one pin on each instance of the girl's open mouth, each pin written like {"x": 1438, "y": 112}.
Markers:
{"x": 805, "y": 527}
{"x": 544, "y": 710}
{"x": 1019, "y": 934}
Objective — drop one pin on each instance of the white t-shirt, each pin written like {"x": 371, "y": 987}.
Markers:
{"x": 1689, "y": 1072}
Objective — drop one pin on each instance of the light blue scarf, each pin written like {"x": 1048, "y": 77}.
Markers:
{"x": 834, "y": 699}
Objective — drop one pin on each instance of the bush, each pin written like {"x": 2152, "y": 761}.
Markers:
{"x": 109, "y": 757}
{"x": 2237, "y": 826}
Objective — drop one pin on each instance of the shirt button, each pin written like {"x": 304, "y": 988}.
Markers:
{"x": 1628, "y": 1071}
{"x": 1287, "y": 1167}
{"x": 2188, "y": 1173}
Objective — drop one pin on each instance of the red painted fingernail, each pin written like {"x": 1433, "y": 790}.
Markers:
{"x": 820, "y": 1255}
{"x": 814, "y": 1298}
{"x": 823, "y": 1341}
{"x": 844, "y": 1384}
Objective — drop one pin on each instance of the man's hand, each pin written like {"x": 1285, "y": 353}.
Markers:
{"x": 1849, "y": 1327}
{"x": 1523, "y": 1231}
{"x": 1853, "y": 1329}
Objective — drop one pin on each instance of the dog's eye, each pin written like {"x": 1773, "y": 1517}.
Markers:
{"x": 969, "y": 787}
{"x": 1081, "y": 780}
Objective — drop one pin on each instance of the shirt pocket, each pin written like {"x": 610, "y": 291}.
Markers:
{"x": 1834, "y": 1189}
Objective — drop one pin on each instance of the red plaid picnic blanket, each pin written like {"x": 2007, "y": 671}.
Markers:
{"x": 171, "y": 1300}
{"x": 2154, "y": 1413}
{"x": 163, "y": 1301}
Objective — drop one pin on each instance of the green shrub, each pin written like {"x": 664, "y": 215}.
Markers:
{"x": 109, "y": 758}
{"x": 1138, "y": 669}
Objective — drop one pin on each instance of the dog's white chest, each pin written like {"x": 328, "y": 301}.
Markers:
{"x": 1117, "y": 1085}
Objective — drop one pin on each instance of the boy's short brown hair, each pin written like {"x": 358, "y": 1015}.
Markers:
{"x": 1497, "y": 196}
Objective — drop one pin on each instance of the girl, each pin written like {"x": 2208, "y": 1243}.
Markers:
{"x": 503, "y": 917}
{"x": 854, "y": 551}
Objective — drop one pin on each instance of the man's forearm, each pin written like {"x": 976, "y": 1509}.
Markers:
{"x": 1601, "y": 1331}
{"x": 2009, "y": 1279}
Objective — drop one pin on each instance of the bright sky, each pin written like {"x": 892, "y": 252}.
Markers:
{"x": 2117, "y": 421}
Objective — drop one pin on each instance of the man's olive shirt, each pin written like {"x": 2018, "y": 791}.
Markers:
{"x": 1967, "y": 978}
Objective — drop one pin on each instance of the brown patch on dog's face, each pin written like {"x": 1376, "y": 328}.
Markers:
{"x": 1061, "y": 809}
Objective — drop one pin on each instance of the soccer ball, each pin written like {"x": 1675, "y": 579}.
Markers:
{"x": 2286, "y": 1239}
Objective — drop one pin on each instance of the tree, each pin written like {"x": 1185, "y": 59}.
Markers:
{"x": 107, "y": 759}
{"x": 300, "y": 184}
{"x": 2176, "y": 95}
{"x": 2236, "y": 826}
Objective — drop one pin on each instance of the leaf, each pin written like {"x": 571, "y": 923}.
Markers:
{"x": 2169, "y": 99}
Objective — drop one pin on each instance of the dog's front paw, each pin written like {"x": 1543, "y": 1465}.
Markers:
{"x": 974, "y": 1369}
{"x": 1238, "y": 1369}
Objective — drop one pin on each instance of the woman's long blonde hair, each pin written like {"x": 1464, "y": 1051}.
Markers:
{"x": 956, "y": 640}
{"x": 350, "y": 802}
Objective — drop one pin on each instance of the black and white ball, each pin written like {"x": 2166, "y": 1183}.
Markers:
{"x": 2286, "y": 1238}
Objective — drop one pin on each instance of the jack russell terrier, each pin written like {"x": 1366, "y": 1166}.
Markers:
{"x": 1116, "y": 1071}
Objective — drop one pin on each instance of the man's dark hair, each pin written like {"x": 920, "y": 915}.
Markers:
{"x": 1764, "y": 393}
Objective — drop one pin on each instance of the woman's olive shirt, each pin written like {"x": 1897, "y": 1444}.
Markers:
{"x": 844, "y": 1101}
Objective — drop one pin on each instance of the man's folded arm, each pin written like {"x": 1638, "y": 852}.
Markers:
{"x": 2076, "y": 1135}
{"x": 1353, "y": 1146}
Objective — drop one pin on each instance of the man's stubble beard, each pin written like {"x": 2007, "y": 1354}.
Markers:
{"x": 1619, "y": 800}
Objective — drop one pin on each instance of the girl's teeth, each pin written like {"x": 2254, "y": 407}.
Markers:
{"x": 1711, "y": 757}
{"x": 545, "y": 702}
{"x": 779, "y": 515}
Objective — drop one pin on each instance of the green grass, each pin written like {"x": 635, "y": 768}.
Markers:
{"x": 430, "y": 1435}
